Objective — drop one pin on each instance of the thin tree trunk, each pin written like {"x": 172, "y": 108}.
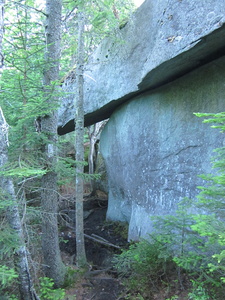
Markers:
{"x": 53, "y": 265}
{"x": 79, "y": 147}
{"x": 1, "y": 30}
{"x": 27, "y": 291}
{"x": 93, "y": 133}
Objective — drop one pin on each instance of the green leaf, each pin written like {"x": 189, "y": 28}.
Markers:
{"x": 7, "y": 275}
{"x": 23, "y": 172}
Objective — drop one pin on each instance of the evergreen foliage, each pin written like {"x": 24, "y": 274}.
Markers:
{"x": 102, "y": 19}
{"x": 47, "y": 291}
{"x": 212, "y": 199}
{"x": 22, "y": 97}
{"x": 7, "y": 275}
{"x": 143, "y": 268}
{"x": 24, "y": 101}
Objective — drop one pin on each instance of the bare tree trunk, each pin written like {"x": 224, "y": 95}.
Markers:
{"x": 1, "y": 30}
{"x": 79, "y": 147}
{"x": 93, "y": 133}
{"x": 53, "y": 265}
{"x": 27, "y": 291}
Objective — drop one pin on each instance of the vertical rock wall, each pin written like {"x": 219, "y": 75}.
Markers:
{"x": 154, "y": 147}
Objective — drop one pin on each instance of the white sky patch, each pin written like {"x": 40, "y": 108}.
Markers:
{"x": 138, "y": 2}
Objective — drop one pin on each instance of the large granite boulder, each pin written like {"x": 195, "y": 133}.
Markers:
{"x": 155, "y": 147}
{"x": 165, "y": 64}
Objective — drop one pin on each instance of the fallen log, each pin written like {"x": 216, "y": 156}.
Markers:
{"x": 100, "y": 240}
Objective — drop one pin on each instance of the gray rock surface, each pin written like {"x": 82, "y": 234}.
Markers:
{"x": 154, "y": 147}
{"x": 162, "y": 41}
{"x": 149, "y": 78}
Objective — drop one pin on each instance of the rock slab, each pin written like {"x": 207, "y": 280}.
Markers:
{"x": 155, "y": 147}
{"x": 162, "y": 41}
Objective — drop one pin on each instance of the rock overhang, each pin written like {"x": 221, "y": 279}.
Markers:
{"x": 161, "y": 42}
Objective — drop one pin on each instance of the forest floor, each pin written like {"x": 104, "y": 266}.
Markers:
{"x": 102, "y": 240}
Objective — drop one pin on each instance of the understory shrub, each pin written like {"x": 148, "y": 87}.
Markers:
{"x": 143, "y": 268}
{"x": 193, "y": 250}
{"x": 178, "y": 255}
{"x": 198, "y": 292}
{"x": 47, "y": 291}
{"x": 7, "y": 275}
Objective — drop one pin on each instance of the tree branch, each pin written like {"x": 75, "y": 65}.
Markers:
{"x": 30, "y": 7}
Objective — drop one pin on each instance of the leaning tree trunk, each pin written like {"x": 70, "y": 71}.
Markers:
{"x": 79, "y": 147}
{"x": 53, "y": 265}
{"x": 27, "y": 291}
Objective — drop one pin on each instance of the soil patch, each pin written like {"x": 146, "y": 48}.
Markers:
{"x": 102, "y": 241}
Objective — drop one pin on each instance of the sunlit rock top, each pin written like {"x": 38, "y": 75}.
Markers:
{"x": 162, "y": 41}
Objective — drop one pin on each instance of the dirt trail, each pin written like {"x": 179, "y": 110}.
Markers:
{"x": 102, "y": 241}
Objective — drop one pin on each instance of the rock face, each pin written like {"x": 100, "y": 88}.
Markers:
{"x": 154, "y": 147}
{"x": 163, "y": 41}
{"x": 167, "y": 63}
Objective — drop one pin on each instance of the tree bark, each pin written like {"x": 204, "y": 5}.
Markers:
{"x": 93, "y": 133}
{"x": 53, "y": 265}
{"x": 1, "y": 30}
{"x": 79, "y": 147}
{"x": 27, "y": 291}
